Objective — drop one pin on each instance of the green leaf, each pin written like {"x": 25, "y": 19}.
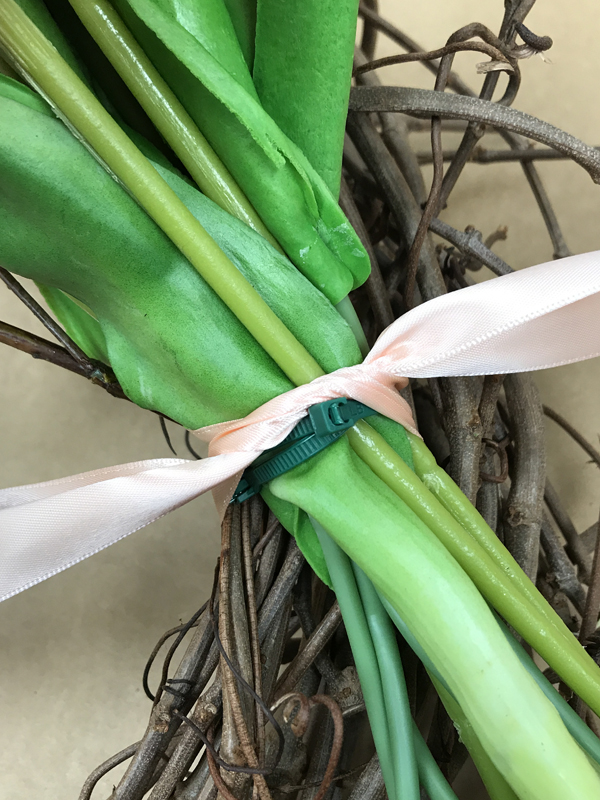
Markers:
{"x": 84, "y": 329}
{"x": 302, "y": 73}
{"x": 283, "y": 187}
{"x": 172, "y": 343}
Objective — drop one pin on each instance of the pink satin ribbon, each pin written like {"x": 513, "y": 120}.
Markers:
{"x": 540, "y": 317}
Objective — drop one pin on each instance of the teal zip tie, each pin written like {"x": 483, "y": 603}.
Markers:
{"x": 326, "y": 423}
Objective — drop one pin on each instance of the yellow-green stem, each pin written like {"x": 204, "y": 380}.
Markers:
{"x": 166, "y": 112}
{"x": 498, "y": 788}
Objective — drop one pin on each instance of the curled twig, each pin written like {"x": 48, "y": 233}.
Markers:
{"x": 431, "y": 55}
{"x": 297, "y": 716}
{"x": 423, "y": 102}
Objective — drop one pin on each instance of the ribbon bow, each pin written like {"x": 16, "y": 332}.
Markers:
{"x": 537, "y": 318}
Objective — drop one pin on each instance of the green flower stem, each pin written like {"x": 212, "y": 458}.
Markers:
{"x": 584, "y": 737}
{"x": 357, "y": 628}
{"x": 572, "y": 721}
{"x": 497, "y": 787}
{"x": 346, "y": 310}
{"x": 450, "y": 496}
{"x": 394, "y": 689}
{"x": 544, "y": 631}
{"x": 366, "y": 629}
{"x": 430, "y": 775}
{"x": 39, "y": 60}
{"x": 166, "y": 112}
{"x": 408, "y": 636}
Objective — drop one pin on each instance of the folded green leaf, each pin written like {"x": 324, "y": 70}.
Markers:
{"x": 84, "y": 329}
{"x": 243, "y": 16}
{"x": 173, "y": 344}
{"x": 302, "y": 72}
{"x": 283, "y": 187}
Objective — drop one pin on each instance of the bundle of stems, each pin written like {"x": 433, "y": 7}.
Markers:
{"x": 413, "y": 564}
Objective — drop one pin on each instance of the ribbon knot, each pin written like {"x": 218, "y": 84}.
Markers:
{"x": 540, "y": 317}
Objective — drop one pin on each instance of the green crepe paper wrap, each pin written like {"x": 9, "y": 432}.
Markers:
{"x": 302, "y": 73}
{"x": 173, "y": 344}
{"x": 217, "y": 90}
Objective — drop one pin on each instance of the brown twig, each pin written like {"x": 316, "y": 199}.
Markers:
{"x": 104, "y": 768}
{"x": 573, "y": 433}
{"x": 481, "y": 155}
{"x": 42, "y": 315}
{"x": 314, "y": 646}
{"x": 514, "y": 13}
{"x": 298, "y": 718}
{"x": 369, "y": 36}
{"x": 375, "y": 286}
{"x": 35, "y": 346}
{"x": 432, "y": 55}
{"x": 592, "y": 603}
{"x": 253, "y": 623}
{"x": 421, "y": 102}
{"x": 233, "y": 633}
{"x": 454, "y": 81}
{"x": 575, "y": 547}
{"x": 524, "y": 507}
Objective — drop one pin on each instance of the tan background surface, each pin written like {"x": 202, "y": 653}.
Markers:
{"x": 72, "y": 649}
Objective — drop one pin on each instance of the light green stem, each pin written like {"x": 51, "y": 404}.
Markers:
{"x": 394, "y": 689}
{"x": 572, "y": 721}
{"x": 536, "y": 622}
{"x": 381, "y": 695}
{"x": 430, "y": 775}
{"x": 346, "y": 310}
{"x": 357, "y": 628}
{"x": 450, "y": 496}
{"x": 498, "y": 788}
{"x": 166, "y": 112}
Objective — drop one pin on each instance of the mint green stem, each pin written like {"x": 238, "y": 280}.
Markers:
{"x": 346, "y": 310}
{"x": 497, "y": 787}
{"x": 456, "y": 503}
{"x": 584, "y": 737}
{"x": 572, "y": 721}
{"x": 430, "y": 775}
{"x": 395, "y": 695}
{"x": 166, "y": 112}
{"x": 357, "y": 628}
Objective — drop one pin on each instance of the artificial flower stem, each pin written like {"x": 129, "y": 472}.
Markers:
{"x": 448, "y": 493}
{"x": 40, "y": 61}
{"x": 544, "y": 631}
{"x": 572, "y": 721}
{"x": 497, "y": 787}
{"x": 394, "y": 688}
{"x": 357, "y": 628}
{"x": 166, "y": 112}
{"x": 430, "y": 775}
